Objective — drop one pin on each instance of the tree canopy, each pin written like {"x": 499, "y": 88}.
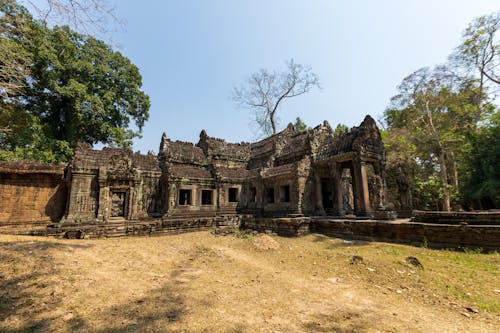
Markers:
{"x": 75, "y": 89}
{"x": 439, "y": 119}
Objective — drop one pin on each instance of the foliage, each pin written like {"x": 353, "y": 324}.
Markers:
{"x": 480, "y": 47}
{"x": 265, "y": 91}
{"x": 14, "y": 59}
{"x": 78, "y": 89}
{"x": 300, "y": 126}
{"x": 442, "y": 123}
{"x": 340, "y": 129}
{"x": 483, "y": 181}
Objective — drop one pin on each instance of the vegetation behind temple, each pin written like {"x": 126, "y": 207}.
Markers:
{"x": 60, "y": 87}
{"x": 442, "y": 128}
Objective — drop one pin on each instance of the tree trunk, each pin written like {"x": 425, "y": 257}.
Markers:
{"x": 444, "y": 179}
{"x": 273, "y": 122}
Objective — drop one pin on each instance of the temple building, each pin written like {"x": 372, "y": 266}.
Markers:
{"x": 311, "y": 173}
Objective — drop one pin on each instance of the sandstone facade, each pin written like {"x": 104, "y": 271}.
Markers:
{"x": 288, "y": 174}
{"x": 316, "y": 172}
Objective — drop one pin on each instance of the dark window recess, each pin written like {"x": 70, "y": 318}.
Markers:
{"x": 184, "y": 197}
{"x": 285, "y": 193}
{"x": 252, "y": 195}
{"x": 206, "y": 197}
{"x": 270, "y": 195}
{"x": 233, "y": 194}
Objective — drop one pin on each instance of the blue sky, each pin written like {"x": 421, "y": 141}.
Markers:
{"x": 192, "y": 52}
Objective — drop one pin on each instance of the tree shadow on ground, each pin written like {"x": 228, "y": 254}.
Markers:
{"x": 341, "y": 241}
{"x": 340, "y": 322}
{"x": 162, "y": 309}
{"x": 27, "y": 292}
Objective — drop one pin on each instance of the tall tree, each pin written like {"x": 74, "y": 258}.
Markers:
{"x": 479, "y": 55}
{"x": 14, "y": 59}
{"x": 429, "y": 122}
{"x": 482, "y": 184}
{"x": 265, "y": 91}
{"x": 78, "y": 89}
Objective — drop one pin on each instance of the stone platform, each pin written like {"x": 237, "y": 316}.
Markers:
{"x": 435, "y": 235}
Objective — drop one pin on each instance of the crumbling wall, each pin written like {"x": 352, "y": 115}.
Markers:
{"x": 31, "y": 193}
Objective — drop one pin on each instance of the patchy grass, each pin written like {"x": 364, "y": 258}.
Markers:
{"x": 203, "y": 282}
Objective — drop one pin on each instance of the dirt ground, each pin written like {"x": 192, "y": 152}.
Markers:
{"x": 200, "y": 282}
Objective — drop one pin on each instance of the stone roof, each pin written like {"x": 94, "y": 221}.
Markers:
{"x": 184, "y": 152}
{"x": 31, "y": 167}
{"x": 188, "y": 171}
{"x": 285, "y": 169}
{"x": 295, "y": 145}
{"x": 232, "y": 173}
{"x": 87, "y": 158}
{"x": 216, "y": 148}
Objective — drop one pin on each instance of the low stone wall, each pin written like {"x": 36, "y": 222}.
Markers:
{"x": 400, "y": 231}
{"x": 470, "y": 218}
{"x": 145, "y": 227}
{"x": 281, "y": 226}
{"x": 432, "y": 235}
{"x": 31, "y": 193}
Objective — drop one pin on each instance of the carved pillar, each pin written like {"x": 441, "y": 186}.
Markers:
{"x": 319, "y": 196}
{"x": 136, "y": 199}
{"x": 172, "y": 197}
{"x": 299, "y": 193}
{"x": 362, "y": 193}
{"x": 336, "y": 172}
{"x": 104, "y": 198}
{"x": 381, "y": 194}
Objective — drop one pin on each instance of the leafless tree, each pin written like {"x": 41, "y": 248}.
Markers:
{"x": 87, "y": 16}
{"x": 265, "y": 91}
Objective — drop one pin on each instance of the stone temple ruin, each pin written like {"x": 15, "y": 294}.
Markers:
{"x": 287, "y": 174}
{"x": 289, "y": 183}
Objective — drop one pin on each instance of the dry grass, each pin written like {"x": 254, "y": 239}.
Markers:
{"x": 199, "y": 282}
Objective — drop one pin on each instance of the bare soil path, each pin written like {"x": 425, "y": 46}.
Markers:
{"x": 199, "y": 282}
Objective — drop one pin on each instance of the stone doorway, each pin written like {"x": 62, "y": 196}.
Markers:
{"x": 327, "y": 194}
{"x": 118, "y": 204}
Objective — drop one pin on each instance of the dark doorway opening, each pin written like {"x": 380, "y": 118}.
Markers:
{"x": 233, "y": 194}
{"x": 326, "y": 193}
{"x": 207, "y": 197}
{"x": 285, "y": 193}
{"x": 184, "y": 197}
{"x": 270, "y": 195}
{"x": 252, "y": 196}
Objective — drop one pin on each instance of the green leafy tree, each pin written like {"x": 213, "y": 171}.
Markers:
{"x": 483, "y": 161}
{"x": 78, "y": 90}
{"x": 429, "y": 123}
{"x": 300, "y": 126}
{"x": 340, "y": 129}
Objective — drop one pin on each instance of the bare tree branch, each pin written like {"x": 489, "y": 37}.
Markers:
{"x": 265, "y": 91}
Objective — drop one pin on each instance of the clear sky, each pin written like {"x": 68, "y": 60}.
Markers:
{"x": 191, "y": 53}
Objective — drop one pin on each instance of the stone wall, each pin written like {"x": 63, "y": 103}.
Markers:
{"x": 402, "y": 231}
{"x": 31, "y": 193}
{"x": 145, "y": 227}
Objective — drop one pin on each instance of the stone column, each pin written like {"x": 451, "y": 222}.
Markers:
{"x": 381, "y": 187}
{"x": 336, "y": 172}
{"x": 362, "y": 193}
{"x": 136, "y": 199}
{"x": 103, "y": 200}
{"x": 319, "y": 196}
